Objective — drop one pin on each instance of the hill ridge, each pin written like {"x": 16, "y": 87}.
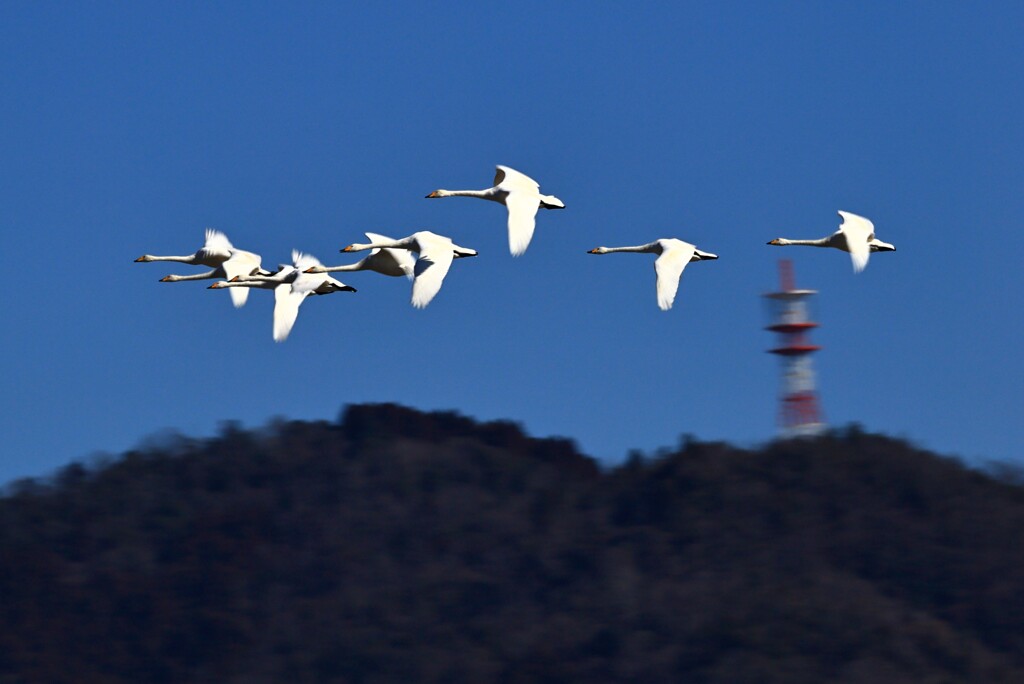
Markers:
{"x": 399, "y": 545}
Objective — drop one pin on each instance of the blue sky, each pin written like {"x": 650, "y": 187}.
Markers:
{"x": 129, "y": 128}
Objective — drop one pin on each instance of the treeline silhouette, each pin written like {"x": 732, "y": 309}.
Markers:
{"x": 400, "y": 546}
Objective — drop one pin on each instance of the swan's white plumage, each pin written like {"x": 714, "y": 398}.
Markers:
{"x": 218, "y": 253}
{"x": 217, "y": 245}
{"x": 522, "y": 219}
{"x": 858, "y": 232}
{"x": 510, "y": 178}
{"x": 242, "y": 264}
{"x": 436, "y": 253}
{"x": 431, "y": 268}
{"x": 856, "y": 236}
{"x": 384, "y": 260}
{"x": 673, "y": 256}
{"x": 291, "y": 286}
{"x": 669, "y": 268}
{"x": 289, "y": 295}
{"x": 521, "y": 196}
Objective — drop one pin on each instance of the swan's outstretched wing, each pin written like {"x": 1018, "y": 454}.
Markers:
{"x": 217, "y": 241}
{"x": 240, "y": 263}
{"x": 286, "y": 310}
{"x": 431, "y": 268}
{"x": 302, "y": 261}
{"x": 510, "y": 178}
{"x": 669, "y": 267}
{"x": 859, "y": 232}
{"x": 522, "y": 218}
{"x": 217, "y": 248}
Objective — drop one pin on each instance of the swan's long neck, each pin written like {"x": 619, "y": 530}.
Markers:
{"x": 358, "y": 266}
{"x": 198, "y": 276}
{"x": 634, "y": 248}
{"x": 262, "y": 284}
{"x": 489, "y": 193}
{"x": 821, "y": 242}
{"x": 190, "y": 259}
{"x": 390, "y": 244}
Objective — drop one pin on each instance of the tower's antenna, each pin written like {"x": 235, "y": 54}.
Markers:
{"x": 799, "y": 413}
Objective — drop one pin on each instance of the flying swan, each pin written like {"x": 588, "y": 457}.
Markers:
{"x": 856, "y": 235}
{"x": 673, "y": 256}
{"x": 521, "y": 196}
{"x": 219, "y": 254}
{"x": 386, "y": 261}
{"x": 436, "y": 255}
{"x": 291, "y": 286}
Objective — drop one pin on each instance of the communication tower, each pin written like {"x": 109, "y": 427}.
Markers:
{"x": 799, "y": 414}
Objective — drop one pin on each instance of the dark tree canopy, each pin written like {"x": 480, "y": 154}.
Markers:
{"x": 400, "y": 546}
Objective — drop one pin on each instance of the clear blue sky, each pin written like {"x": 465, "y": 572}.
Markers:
{"x": 128, "y": 128}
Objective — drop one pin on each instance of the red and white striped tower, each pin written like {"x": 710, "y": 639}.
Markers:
{"x": 799, "y": 413}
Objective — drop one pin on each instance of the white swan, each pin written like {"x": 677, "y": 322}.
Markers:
{"x": 239, "y": 264}
{"x": 387, "y": 261}
{"x": 291, "y": 286}
{"x": 673, "y": 256}
{"x": 521, "y": 196}
{"x": 436, "y": 254}
{"x": 856, "y": 235}
{"x": 214, "y": 252}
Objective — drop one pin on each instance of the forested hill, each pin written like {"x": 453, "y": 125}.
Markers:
{"x": 399, "y": 546}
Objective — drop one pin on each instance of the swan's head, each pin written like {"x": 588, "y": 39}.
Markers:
{"x": 315, "y": 269}
{"x": 437, "y": 193}
{"x": 879, "y": 246}
{"x": 779, "y": 241}
{"x": 168, "y": 279}
{"x": 350, "y": 248}
{"x": 218, "y": 285}
{"x": 598, "y": 250}
{"x": 551, "y": 202}
{"x": 144, "y": 257}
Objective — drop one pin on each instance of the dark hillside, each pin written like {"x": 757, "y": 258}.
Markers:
{"x": 399, "y": 546}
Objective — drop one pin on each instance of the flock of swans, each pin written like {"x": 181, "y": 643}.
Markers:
{"x": 239, "y": 270}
